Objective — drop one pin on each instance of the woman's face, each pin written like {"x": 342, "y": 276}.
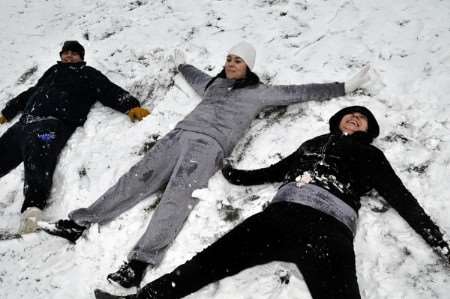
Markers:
{"x": 235, "y": 68}
{"x": 353, "y": 122}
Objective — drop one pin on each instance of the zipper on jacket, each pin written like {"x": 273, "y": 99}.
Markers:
{"x": 322, "y": 153}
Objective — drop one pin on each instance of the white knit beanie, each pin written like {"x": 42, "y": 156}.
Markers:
{"x": 246, "y": 52}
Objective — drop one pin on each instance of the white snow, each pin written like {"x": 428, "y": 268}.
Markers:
{"x": 406, "y": 41}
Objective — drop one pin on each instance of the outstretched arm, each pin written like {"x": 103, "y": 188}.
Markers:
{"x": 290, "y": 94}
{"x": 278, "y": 172}
{"x": 110, "y": 94}
{"x": 389, "y": 185}
{"x": 195, "y": 77}
{"x": 281, "y": 95}
{"x": 17, "y": 104}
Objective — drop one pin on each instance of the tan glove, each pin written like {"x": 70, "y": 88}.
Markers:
{"x": 3, "y": 120}
{"x": 138, "y": 113}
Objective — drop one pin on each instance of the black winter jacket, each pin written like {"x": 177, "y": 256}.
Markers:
{"x": 348, "y": 167}
{"x": 67, "y": 92}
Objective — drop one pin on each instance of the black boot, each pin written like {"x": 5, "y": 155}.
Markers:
{"x": 66, "y": 229}
{"x": 99, "y": 294}
{"x": 129, "y": 274}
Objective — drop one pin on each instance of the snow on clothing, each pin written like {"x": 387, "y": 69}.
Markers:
{"x": 67, "y": 92}
{"x": 317, "y": 242}
{"x": 320, "y": 199}
{"x": 348, "y": 166}
{"x": 38, "y": 145}
{"x": 207, "y": 134}
{"x": 184, "y": 161}
{"x": 52, "y": 109}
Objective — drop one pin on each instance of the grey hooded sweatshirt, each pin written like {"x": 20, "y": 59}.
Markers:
{"x": 225, "y": 113}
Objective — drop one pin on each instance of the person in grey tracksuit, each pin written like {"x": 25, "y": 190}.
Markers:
{"x": 190, "y": 154}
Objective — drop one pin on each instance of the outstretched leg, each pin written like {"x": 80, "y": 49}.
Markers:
{"x": 320, "y": 246}
{"x": 200, "y": 158}
{"x": 43, "y": 142}
{"x": 10, "y": 153}
{"x": 143, "y": 179}
{"x": 257, "y": 240}
{"x": 328, "y": 267}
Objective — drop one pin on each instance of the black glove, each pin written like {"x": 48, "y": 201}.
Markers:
{"x": 227, "y": 168}
{"x": 244, "y": 177}
{"x": 233, "y": 175}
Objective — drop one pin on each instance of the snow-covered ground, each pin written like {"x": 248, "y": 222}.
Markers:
{"x": 407, "y": 41}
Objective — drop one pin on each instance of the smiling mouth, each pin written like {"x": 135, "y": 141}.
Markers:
{"x": 354, "y": 123}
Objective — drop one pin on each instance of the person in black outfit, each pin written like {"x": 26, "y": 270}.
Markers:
{"x": 51, "y": 111}
{"x": 311, "y": 220}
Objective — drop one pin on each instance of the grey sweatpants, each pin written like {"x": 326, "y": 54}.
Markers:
{"x": 184, "y": 160}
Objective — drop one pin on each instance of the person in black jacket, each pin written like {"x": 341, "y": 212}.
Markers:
{"x": 311, "y": 220}
{"x": 51, "y": 111}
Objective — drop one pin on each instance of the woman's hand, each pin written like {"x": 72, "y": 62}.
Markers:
{"x": 178, "y": 57}
{"x": 358, "y": 80}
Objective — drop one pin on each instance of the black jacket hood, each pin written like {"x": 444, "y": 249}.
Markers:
{"x": 366, "y": 137}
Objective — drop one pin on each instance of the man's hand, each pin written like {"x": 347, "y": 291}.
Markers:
{"x": 358, "y": 80}
{"x": 3, "y": 120}
{"x": 138, "y": 113}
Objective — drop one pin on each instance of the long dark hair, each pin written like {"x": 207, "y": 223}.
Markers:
{"x": 250, "y": 79}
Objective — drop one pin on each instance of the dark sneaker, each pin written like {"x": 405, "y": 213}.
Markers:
{"x": 66, "y": 229}
{"x": 99, "y": 294}
{"x": 129, "y": 274}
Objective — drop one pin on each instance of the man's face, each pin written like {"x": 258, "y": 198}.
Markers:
{"x": 353, "y": 122}
{"x": 70, "y": 57}
{"x": 235, "y": 68}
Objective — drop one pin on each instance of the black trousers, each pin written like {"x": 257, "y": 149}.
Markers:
{"x": 320, "y": 246}
{"x": 38, "y": 145}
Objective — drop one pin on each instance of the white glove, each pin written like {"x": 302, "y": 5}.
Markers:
{"x": 179, "y": 57}
{"x": 358, "y": 80}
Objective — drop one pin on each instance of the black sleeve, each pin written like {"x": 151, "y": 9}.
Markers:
{"x": 277, "y": 172}
{"x": 17, "y": 104}
{"x": 389, "y": 185}
{"x": 111, "y": 95}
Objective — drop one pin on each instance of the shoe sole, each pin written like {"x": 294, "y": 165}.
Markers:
{"x": 51, "y": 229}
{"x": 117, "y": 284}
{"x": 99, "y": 294}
